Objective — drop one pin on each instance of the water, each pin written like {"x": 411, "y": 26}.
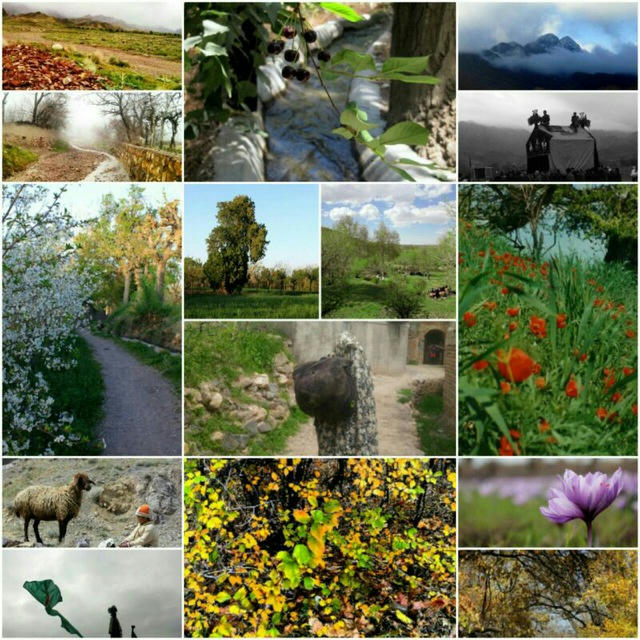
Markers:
{"x": 301, "y": 146}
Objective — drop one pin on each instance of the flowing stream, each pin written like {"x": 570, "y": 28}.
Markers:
{"x": 301, "y": 146}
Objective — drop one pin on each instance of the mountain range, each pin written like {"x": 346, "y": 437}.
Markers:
{"x": 548, "y": 62}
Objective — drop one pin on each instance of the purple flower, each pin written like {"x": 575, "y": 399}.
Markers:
{"x": 582, "y": 497}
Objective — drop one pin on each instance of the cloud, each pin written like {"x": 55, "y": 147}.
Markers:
{"x": 339, "y": 212}
{"x": 403, "y": 216}
{"x": 369, "y": 212}
{"x": 396, "y": 192}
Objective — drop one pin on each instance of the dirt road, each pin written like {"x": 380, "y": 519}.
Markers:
{"x": 148, "y": 65}
{"x": 142, "y": 411}
{"x": 397, "y": 433}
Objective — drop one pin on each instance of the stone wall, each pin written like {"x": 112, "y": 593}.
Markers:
{"x": 449, "y": 394}
{"x": 384, "y": 343}
{"x": 150, "y": 165}
{"x": 417, "y": 335}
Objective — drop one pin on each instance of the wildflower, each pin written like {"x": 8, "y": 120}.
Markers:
{"x": 598, "y": 302}
{"x": 505, "y": 386}
{"x": 582, "y": 357}
{"x": 601, "y": 413}
{"x": 609, "y": 382}
{"x": 628, "y": 370}
{"x": 635, "y": 409}
{"x": 630, "y": 333}
{"x": 582, "y": 498}
{"x": 536, "y": 367}
{"x": 513, "y": 311}
{"x": 616, "y": 397}
{"x": 543, "y": 425}
{"x": 571, "y": 389}
{"x": 541, "y": 383}
{"x": 489, "y": 305}
{"x": 538, "y": 326}
{"x": 479, "y": 365}
{"x": 481, "y": 254}
{"x": 505, "y": 447}
{"x": 561, "y": 321}
{"x": 469, "y": 318}
{"x": 504, "y": 291}
{"x": 551, "y": 440}
{"x": 513, "y": 326}
{"x": 515, "y": 365}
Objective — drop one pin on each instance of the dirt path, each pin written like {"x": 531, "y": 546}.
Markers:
{"x": 142, "y": 411}
{"x": 397, "y": 434}
{"x": 109, "y": 170}
{"x": 148, "y": 65}
{"x": 62, "y": 166}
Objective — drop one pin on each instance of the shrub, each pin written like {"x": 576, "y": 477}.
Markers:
{"x": 404, "y": 298}
{"x": 117, "y": 62}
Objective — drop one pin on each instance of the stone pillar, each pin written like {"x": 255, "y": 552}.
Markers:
{"x": 450, "y": 363}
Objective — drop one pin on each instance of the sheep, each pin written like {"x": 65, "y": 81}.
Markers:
{"x": 40, "y": 502}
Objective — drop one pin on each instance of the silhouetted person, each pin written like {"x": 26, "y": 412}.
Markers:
{"x": 133, "y": 631}
{"x": 546, "y": 119}
{"x": 115, "y": 630}
{"x": 575, "y": 120}
{"x": 534, "y": 118}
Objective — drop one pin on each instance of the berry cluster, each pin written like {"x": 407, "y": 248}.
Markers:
{"x": 276, "y": 47}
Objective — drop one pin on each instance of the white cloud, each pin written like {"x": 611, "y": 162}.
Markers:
{"x": 369, "y": 212}
{"x": 339, "y": 212}
{"x": 403, "y": 216}
{"x": 395, "y": 193}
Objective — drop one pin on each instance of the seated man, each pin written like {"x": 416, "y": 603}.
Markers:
{"x": 546, "y": 119}
{"x": 575, "y": 120}
{"x": 145, "y": 534}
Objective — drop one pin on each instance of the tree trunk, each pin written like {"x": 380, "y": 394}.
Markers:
{"x": 127, "y": 287}
{"x": 622, "y": 250}
{"x": 161, "y": 268}
{"x": 137, "y": 278}
{"x": 427, "y": 29}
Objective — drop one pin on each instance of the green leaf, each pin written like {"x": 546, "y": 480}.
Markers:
{"x": 308, "y": 583}
{"x": 357, "y": 61}
{"x": 403, "y": 618}
{"x": 302, "y": 554}
{"x": 401, "y": 172}
{"x": 411, "y": 79}
{"x": 406, "y": 65}
{"x": 211, "y": 28}
{"x": 342, "y": 131}
{"x": 355, "y": 119}
{"x": 223, "y": 596}
{"x": 405, "y": 133}
{"x": 342, "y": 10}
{"x": 291, "y": 571}
{"x": 240, "y": 593}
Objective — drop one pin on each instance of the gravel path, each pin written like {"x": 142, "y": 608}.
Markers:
{"x": 142, "y": 411}
{"x": 397, "y": 433}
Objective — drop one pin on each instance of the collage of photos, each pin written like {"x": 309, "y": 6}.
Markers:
{"x": 319, "y": 319}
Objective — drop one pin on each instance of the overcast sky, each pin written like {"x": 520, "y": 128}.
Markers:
{"x": 607, "y": 111}
{"x": 416, "y": 211}
{"x": 145, "y": 585}
{"x": 140, "y": 13}
{"x": 606, "y": 24}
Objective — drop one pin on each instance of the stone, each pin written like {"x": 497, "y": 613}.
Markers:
{"x": 257, "y": 413}
{"x": 192, "y": 395}
{"x": 280, "y": 412}
{"x": 282, "y": 379}
{"x": 83, "y": 542}
{"x": 280, "y": 360}
{"x": 265, "y": 427}
{"x": 261, "y": 381}
{"x": 159, "y": 492}
{"x": 216, "y": 436}
{"x": 273, "y": 387}
{"x": 251, "y": 427}
{"x": 244, "y": 382}
{"x": 214, "y": 401}
{"x": 117, "y": 497}
{"x": 234, "y": 441}
{"x": 56, "y": 46}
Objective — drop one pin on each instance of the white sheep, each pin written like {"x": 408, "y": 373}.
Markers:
{"x": 40, "y": 502}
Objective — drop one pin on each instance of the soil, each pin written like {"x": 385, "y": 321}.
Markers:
{"x": 94, "y": 523}
{"x": 143, "y": 415}
{"x": 397, "y": 433}
{"x": 148, "y": 65}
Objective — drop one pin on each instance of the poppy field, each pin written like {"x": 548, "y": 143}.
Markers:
{"x": 547, "y": 359}
{"x": 320, "y": 548}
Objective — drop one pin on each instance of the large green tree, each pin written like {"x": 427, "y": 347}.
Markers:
{"x": 237, "y": 241}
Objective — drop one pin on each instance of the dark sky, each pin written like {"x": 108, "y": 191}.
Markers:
{"x": 144, "y": 584}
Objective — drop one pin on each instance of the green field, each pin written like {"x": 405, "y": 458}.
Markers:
{"x": 366, "y": 299}
{"x": 252, "y": 303}
{"x": 490, "y": 521}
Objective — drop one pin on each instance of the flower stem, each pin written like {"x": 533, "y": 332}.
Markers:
{"x": 589, "y": 535}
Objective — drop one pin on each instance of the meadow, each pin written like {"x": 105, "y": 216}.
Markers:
{"x": 251, "y": 303}
{"x": 547, "y": 358}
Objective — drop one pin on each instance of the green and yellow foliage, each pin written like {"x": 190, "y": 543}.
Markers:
{"x": 15, "y": 159}
{"x": 325, "y": 548}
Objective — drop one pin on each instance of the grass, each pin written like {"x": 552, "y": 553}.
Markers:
{"x": 404, "y": 396}
{"x": 60, "y": 146}
{"x": 80, "y": 392}
{"x": 366, "y": 299}
{"x": 252, "y": 303}
{"x": 491, "y": 521}
{"x": 566, "y": 403}
{"x": 435, "y": 439}
{"x": 15, "y": 159}
{"x": 225, "y": 351}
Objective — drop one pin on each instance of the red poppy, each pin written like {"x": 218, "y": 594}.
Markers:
{"x": 515, "y": 365}
{"x": 489, "y": 305}
{"x": 469, "y": 318}
{"x": 551, "y": 440}
{"x": 627, "y": 370}
{"x": 543, "y": 425}
{"x": 571, "y": 389}
{"x": 541, "y": 383}
{"x": 536, "y": 367}
{"x": 631, "y": 333}
{"x": 481, "y": 254}
{"x": 561, "y": 320}
{"x": 598, "y": 302}
{"x": 504, "y": 291}
{"x": 505, "y": 447}
{"x": 583, "y": 357}
{"x": 601, "y": 413}
{"x": 635, "y": 409}
{"x": 513, "y": 311}
{"x": 505, "y": 386}
{"x": 513, "y": 326}
{"x": 538, "y": 326}
{"x": 616, "y": 397}
{"x": 479, "y": 365}
{"x": 609, "y": 382}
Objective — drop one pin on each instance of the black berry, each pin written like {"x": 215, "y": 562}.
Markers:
{"x": 302, "y": 75}
{"x": 310, "y": 36}
{"x": 291, "y": 55}
{"x": 289, "y": 32}
{"x": 275, "y": 47}
{"x": 288, "y": 72}
{"x": 324, "y": 56}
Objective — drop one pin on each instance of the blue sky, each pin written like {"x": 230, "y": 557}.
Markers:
{"x": 419, "y": 213}
{"x": 289, "y": 211}
{"x": 606, "y": 24}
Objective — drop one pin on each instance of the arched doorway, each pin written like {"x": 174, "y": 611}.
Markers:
{"x": 434, "y": 347}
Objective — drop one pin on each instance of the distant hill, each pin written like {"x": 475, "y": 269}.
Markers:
{"x": 475, "y": 72}
{"x": 17, "y": 12}
{"x": 504, "y": 148}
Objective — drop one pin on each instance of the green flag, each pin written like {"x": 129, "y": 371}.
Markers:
{"x": 46, "y": 592}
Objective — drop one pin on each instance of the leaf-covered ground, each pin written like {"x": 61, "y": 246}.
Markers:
{"x": 325, "y": 548}
{"x": 28, "y": 67}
